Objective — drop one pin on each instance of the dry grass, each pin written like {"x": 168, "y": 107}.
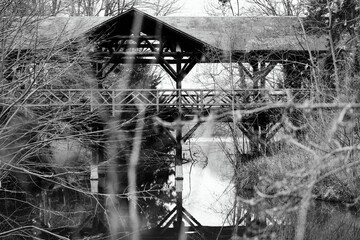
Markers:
{"x": 287, "y": 173}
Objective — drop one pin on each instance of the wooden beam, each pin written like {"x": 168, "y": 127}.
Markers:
{"x": 262, "y": 73}
{"x": 166, "y": 218}
{"x": 192, "y": 61}
{"x": 167, "y": 67}
{"x": 121, "y": 44}
{"x": 110, "y": 70}
{"x": 192, "y": 217}
{"x": 132, "y": 45}
{"x": 246, "y": 70}
{"x": 147, "y": 60}
{"x": 153, "y": 54}
{"x": 172, "y": 219}
{"x": 273, "y": 130}
{"x": 250, "y": 134}
{"x": 266, "y": 70}
{"x": 151, "y": 46}
{"x": 191, "y": 131}
{"x": 132, "y": 37}
{"x": 163, "y": 62}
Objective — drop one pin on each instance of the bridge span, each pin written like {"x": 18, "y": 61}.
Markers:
{"x": 196, "y": 102}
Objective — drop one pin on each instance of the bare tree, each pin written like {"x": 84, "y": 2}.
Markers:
{"x": 277, "y": 8}
{"x": 160, "y": 7}
{"x": 257, "y": 7}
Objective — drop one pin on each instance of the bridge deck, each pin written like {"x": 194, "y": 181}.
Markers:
{"x": 197, "y": 101}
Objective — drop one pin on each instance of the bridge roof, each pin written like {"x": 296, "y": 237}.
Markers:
{"x": 248, "y": 33}
{"x": 242, "y": 34}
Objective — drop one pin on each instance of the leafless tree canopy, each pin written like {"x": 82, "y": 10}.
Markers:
{"x": 86, "y": 7}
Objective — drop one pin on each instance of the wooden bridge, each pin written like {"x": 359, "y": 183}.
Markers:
{"x": 256, "y": 45}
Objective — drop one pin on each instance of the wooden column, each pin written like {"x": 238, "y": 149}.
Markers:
{"x": 263, "y": 76}
{"x": 94, "y": 171}
{"x": 178, "y": 150}
{"x": 255, "y": 66}
{"x": 97, "y": 179}
{"x": 94, "y": 166}
{"x": 97, "y": 157}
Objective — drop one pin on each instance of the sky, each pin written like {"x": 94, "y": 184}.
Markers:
{"x": 193, "y": 8}
{"x": 197, "y": 7}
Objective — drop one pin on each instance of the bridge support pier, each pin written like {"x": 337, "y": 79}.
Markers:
{"x": 179, "y": 175}
{"x": 97, "y": 180}
{"x": 179, "y": 179}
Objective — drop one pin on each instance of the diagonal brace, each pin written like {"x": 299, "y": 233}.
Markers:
{"x": 191, "y": 131}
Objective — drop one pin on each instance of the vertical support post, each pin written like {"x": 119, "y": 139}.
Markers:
{"x": 97, "y": 179}
{"x": 178, "y": 154}
{"x": 113, "y": 102}
{"x": 44, "y": 210}
{"x": 179, "y": 174}
{"x": 263, "y": 77}
{"x": 255, "y": 66}
{"x": 242, "y": 77}
{"x": 94, "y": 175}
{"x": 97, "y": 155}
{"x": 157, "y": 101}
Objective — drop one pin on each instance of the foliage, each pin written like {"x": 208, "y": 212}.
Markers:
{"x": 340, "y": 21}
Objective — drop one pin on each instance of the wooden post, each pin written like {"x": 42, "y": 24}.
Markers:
{"x": 255, "y": 66}
{"x": 263, "y": 77}
{"x": 96, "y": 159}
{"x": 178, "y": 174}
{"x": 97, "y": 180}
{"x": 178, "y": 151}
{"x": 94, "y": 177}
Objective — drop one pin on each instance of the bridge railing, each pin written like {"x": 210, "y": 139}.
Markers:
{"x": 201, "y": 99}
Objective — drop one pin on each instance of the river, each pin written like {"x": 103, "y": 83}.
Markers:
{"x": 208, "y": 191}
{"x": 208, "y": 196}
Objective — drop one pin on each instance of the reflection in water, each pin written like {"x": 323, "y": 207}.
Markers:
{"x": 208, "y": 192}
{"x": 208, "y": 196}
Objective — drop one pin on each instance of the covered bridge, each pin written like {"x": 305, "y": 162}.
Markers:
{"x": 177, "y": 44}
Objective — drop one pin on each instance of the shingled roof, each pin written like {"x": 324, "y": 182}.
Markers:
{"x": 249, "y": 33}
{"x": 225, "y": 33}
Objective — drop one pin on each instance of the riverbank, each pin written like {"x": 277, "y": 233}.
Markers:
{"x": 292, "y": 171}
